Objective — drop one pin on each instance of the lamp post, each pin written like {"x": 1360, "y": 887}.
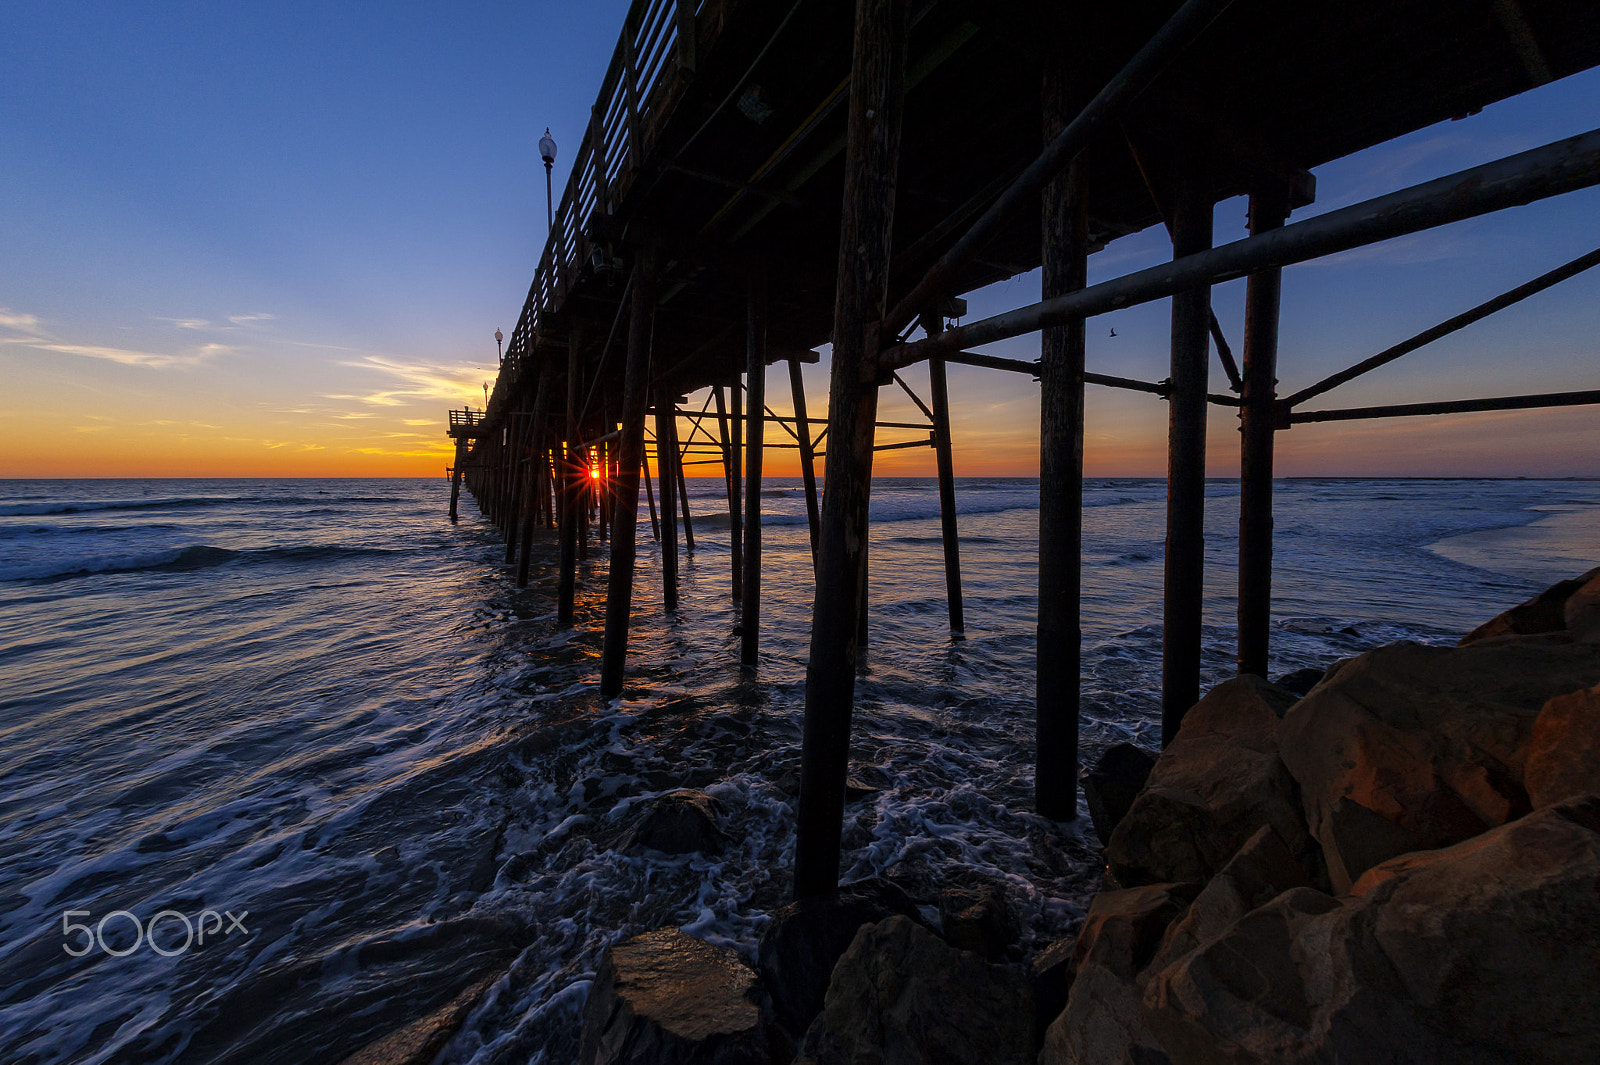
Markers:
{"x": 547, "y": 152}
{"x": 498, "y": 337}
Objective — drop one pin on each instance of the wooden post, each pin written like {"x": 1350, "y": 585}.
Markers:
{"x": 736, "y": 498}
{"x": 808, "y": 458}
{"x": 730, "y": 476}
{"x": 1186, "y": 464}
{"x": 666, "y": 466}
{"x": 683, "y": 505}
{"x": 536, "y": 460}
{"x": 1268, "y": 210}
{"x": 872, "y": 156}
{"x": 1059, "y": 638}
{"x": 756, "y": 371}
{"x": 940, "y": 395}
{"x": 625, "y": 504}
{"x": 585, "y": 495}
{"x": 649, "y": 494}
{"x": 514, "y": 480}
{"x": 455, "y": 478}
{"x": 566, "y": 583}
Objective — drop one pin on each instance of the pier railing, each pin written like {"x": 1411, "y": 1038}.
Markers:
{"x": 649, "y": 69}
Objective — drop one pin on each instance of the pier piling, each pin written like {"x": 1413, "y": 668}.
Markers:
{"x": 1186, "y": 461}
{"x": 872, "y": 151}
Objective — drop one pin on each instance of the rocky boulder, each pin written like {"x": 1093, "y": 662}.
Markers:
{"x": 665, "y": 998}
{"x": 979, "y": 919}
{"x": 1111, "y": 786}
{"x": 804, "y": 940}
{"x": 902, "y": 996}
{"x": 1103, "y": 1021}
{"x": 1409, "y": 747}
{"x": 1218, "y": 782}
{"x": 1582, "y": 610}
{"x": 1477, "y": 953}
{"x": 1262, "y": 870}
{"x": 1050, "y": 976}
{"x": 680, "y": 822}
{"x": 1545, "y": 612}
{"x": 1564, "y": 753}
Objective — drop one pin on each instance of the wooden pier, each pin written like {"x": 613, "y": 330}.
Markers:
{"x": 761, "y": 179}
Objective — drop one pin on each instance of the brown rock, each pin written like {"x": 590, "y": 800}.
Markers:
{"x": 1217, "y": 782}
{"x": 680, "y": 822}
{"x": 902, "y": 996}
{"x": 1564, "y": 754}
{"x": 979, "y": 919}
{"x": 1412, "y": 747}
{"x": 1545, "y": 612}
{"x": 1262, "y": 870}
{"x": 1103, "y": 1021}
{"x": 1582, "y": 610}
{"x": 1111, "y": 786}
{"x": 1477, "y": 953}
{"x": 420, "y": 1041}
{"x": 804, "y": 940}
{"x": 665, "y": 998}
{"x": 1050, "y": 976}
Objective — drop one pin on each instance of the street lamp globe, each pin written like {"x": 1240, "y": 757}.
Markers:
{"x": 547, "y": 148}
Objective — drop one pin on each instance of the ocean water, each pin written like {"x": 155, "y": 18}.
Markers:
{"x": 287, "y": 764}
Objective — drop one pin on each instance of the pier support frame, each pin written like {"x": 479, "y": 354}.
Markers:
{"x": 570, "y": 488}
{"x": 730, "y": 478}
{"x": 808, "y": 458}
{"x": 667, "y": 481}
{"x": 1269, "y": 209}
{"x": 1186, "y": 460}
{"x": 1059, "y": 638}
{"x": 939, "y": 399}
{"x": 625, "y": 502}
{"x": 756, "y": 375}
{"x": 872, "y": 153}
{"x": 537, "y": 450}
{"x": 455, "y": 479}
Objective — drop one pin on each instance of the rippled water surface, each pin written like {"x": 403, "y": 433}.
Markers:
{"x": 317, "y": 708}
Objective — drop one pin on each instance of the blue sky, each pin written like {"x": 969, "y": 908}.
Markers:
{"x": 255, "y": 238}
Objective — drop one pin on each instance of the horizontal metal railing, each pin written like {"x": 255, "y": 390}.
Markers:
{"x": 651, "y": 61}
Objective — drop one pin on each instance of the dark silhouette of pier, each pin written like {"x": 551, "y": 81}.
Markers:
{"x": 759, "y": 179}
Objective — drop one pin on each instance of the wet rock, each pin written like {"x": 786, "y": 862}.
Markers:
{"x": 1217, "y": 782}
{"x": 1301, "y": 681}
{"x": 1050, "y": 976}
{"x": 1564, "y": 752}
{"x": 679, "y": 822}
{"x": 1409, "y": 747}
{"x": 901, "y": 996}
{"x": 1545, "y": 612}
{"x": 1103, "y": 1021}
{"x": 1480, "y": 952}
{"x": 855, "y": 787}
{"x": 1111, "y": 786}
{"x": 1582, "y": 610}
{"x": 979, "y": 919}
{"x": 666, "y": 998}
{"x": 419, "y": 1042}
{"x": 804, "y": 940}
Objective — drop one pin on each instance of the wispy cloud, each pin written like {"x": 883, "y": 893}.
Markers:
{"x": 152, "y": 359}
{"x": 417, "y": 381}
{"x": 245, "y": 319}
{"x": 24, "y": 323}
{"x": 185, "y": 323}
{"x": 27, "y": 332}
